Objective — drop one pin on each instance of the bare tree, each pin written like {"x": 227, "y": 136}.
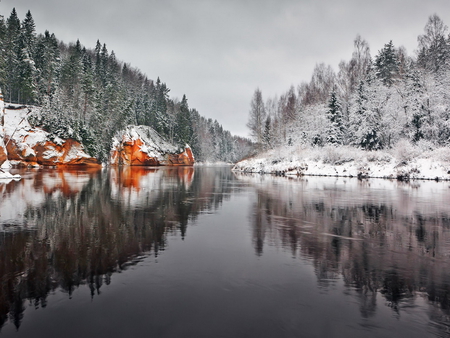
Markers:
{"x": 257, "y": 117}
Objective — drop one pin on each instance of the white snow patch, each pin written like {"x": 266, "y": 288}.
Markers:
{"x": 154, "y": 145}
{"x": 350, "y": 162}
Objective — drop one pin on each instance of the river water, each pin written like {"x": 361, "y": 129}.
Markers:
{"x": 203, "y": 252}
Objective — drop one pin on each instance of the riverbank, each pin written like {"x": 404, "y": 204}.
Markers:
{"x": 403, "y": 162}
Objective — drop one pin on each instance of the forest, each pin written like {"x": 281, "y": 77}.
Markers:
{"x": 89, "y": 95}
{"x": 369, "y": 103}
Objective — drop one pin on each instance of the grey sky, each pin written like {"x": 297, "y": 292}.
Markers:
{"x": 218, "y": 52}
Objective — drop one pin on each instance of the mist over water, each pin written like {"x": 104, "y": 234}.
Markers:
{"x": 202, "y": 252}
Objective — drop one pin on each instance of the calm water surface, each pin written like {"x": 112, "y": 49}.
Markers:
{"x": 184, "y": 252}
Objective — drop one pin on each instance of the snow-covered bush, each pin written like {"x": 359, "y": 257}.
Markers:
{"x": 338, "y": 155}
{"x": 379, "y": 156}
{"x": 404, "y": 152}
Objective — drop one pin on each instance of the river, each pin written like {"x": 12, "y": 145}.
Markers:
{"x": 204, "y": 252}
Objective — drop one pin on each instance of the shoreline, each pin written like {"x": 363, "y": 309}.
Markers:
{"x": 350, "y": 163}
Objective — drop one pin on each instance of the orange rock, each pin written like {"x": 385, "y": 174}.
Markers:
{"x": 130, "y": 153}
{"x": 49, "y": 153}
{"x": 3, "y": 155}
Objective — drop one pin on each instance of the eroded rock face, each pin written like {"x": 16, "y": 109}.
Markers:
{"x": 130, "y": 153}
{"x": 28, "y": 146}
{"x": 184, "y": 158}
{"x": 143, "y": 146}
{"x": 3, "y": 155}
{"x": 48, "y": 153}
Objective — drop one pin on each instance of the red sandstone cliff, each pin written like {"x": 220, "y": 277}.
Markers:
{"x": 143, "y": 146}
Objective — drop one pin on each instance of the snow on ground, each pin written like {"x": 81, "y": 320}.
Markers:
{"x": 402, "y": 162}
{"x": 27, "y": 137}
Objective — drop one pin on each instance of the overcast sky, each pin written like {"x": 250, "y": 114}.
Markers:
{"x": 218, "y": 52}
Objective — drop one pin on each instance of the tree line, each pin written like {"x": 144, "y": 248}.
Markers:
{"x": 368, "y": 103}
{"x": 90, "y": 95}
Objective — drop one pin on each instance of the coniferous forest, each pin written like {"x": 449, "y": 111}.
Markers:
{"x": 89, "y": 95}
{"x": 369, "y": 103}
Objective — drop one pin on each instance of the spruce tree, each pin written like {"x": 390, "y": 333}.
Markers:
{"x": 267, "y": 136}
{"x": 47, "y": 61}
{"x": 386, "y": 64}
{"x": 29, "y": 34}
{"x": 11, "y": 51}
{"x": 2, "y": 52}
{"x": 336, "y": 130}
{"x": 183, "y": 123}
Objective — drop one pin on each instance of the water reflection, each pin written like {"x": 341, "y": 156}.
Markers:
{"x": 381, "y": 237}
{"x": 372, "y": 247}
{"x": 60, "y": 229}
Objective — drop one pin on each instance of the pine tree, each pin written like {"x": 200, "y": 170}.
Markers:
{"x": 29, "y": 34}
{"x": 414, "y": 105}
{"x": 386, "y": 64}
{"x": 336, "y": 130}
{"x": 159, "y": 119}
{"x": 2, "y": 52}
{"x": 47, "y": 61}
{"x": 183, "y": 128}
{"x": 267, "y": 135}
{"x": 12, "y": 63}
{"x": 87, "y": 82}
{"x": 26, "y": 71}
{"x": 365, "y": 114}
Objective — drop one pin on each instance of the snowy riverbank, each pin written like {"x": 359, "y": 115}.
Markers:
{"x": 402, "y": 162}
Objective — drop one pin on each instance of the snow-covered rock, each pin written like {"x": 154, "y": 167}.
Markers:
{"x": 30, "y": 146}
{"x": 3, "y": 155}
{"x": 142, "y": 145}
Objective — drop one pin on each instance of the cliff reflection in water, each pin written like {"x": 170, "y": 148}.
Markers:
{"x": 380, "y": 237}
{"x": 63, "y": 229}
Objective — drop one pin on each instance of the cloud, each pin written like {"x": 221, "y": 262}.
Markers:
{"x": 218, "y": 52}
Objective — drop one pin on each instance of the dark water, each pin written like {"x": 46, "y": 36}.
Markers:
{"x": 184, "y": 252}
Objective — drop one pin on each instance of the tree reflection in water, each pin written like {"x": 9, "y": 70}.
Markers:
{"x": 381, "y": 237}
{"x": 387, "y": 242}
{"x": 66, "y": 228}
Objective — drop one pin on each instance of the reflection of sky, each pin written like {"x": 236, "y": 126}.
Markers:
{"x": 211, "y": 284}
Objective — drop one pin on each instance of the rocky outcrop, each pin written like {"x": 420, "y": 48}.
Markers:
{"x": 143, "y": 146}
{"x": 30, "y": 146}
{"x": 3, "y": 155}
{"x": 24, "y": 145}
{"x": 29, "y": 152}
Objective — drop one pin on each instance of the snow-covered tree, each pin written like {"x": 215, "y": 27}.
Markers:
{"x": 336, "y": 129}
{"x": 434, "y": 52}
{"x": 387, "y": 65}
{"x": 257, "y": 117}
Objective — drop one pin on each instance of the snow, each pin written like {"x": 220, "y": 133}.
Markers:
{"x": 154, "y": 145}
{"x": 350, "y": 162}
{"x": 75, "y": 152}
{"x": 5, "y": 175}
{"x": 27, "y": 137}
